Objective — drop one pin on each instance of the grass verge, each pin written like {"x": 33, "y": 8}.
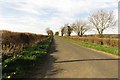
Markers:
{"x": 108, "y": 49}
{"x": 23, "y": 63}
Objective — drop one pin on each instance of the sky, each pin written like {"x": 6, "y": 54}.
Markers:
{"x": 36, "y": 15}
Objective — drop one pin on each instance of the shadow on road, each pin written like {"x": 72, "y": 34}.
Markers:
{"x": 48, "y": 69}
{"x": 83, "y": 60}
{"x": 53, "y": 47}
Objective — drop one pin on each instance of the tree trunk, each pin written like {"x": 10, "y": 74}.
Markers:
{"x": 69, "y": 34}
{"x": 78, "y": 34}
{"x": 81, "y": 34}
{"x": 62, "y": 34}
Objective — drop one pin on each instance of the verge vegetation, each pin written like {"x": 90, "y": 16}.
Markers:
{"x": 16, "y": 64}
{"x": 82, "y": 42}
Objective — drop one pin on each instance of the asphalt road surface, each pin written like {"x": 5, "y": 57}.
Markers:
{"x": 68, "y": 60}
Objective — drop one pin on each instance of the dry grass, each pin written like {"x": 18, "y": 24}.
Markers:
{"x": 113, "y": 42}
{"x": 14, "y": 42}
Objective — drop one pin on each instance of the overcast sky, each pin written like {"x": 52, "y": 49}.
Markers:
{"x": 36, "y": 15}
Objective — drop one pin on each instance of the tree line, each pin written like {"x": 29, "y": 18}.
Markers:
{"x": 100, "y": 21}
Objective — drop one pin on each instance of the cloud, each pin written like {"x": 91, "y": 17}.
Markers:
{"x": 37, "y": 15}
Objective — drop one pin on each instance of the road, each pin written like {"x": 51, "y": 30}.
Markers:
{"x": 68, "y": 60}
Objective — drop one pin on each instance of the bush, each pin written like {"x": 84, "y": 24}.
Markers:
{"x": 14, "y": 42}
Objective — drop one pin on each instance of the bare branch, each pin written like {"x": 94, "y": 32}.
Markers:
{"x": 80, "y": 27}
{"x": 102, "y": 20}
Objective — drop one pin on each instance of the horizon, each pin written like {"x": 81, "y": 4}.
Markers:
{"x": 59, "y": 34}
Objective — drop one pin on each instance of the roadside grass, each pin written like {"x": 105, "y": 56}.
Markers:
{"x": 108, "y": 49}
{"x": 19, "y": 65}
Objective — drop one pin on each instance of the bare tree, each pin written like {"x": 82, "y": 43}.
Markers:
{"x": 68, "y": 29}
{"x": 56, "y": 33}
{"x": 102, "y": 20}
{"x": 80, "y": 27}
{"x": 62, "y": 31}
{"x": 49, "y": 32}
